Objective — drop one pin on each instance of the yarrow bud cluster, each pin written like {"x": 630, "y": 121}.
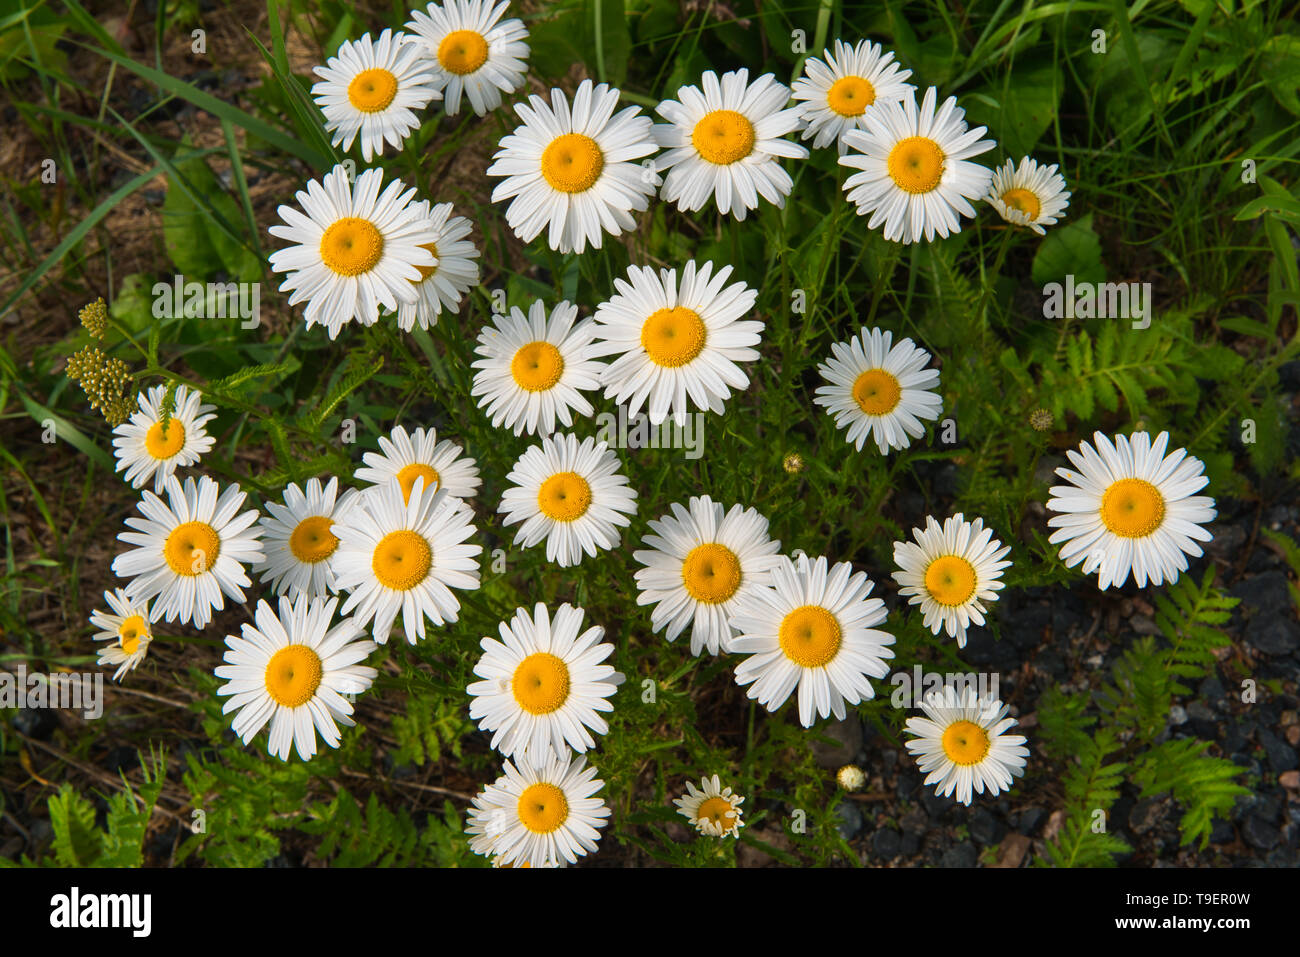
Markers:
{"x": 105, "y": 381}
{"x": 94, "y": 316}
{"x": 1040, "y": 420}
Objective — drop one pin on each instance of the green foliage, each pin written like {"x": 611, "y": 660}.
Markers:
{"x": 378, "y": 837}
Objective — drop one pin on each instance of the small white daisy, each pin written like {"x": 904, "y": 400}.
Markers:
{"x": 1130, "y": 507}
{"x": 534, "y": 369}
{"x": 712, "y": 809}
{"x": 354, "y": 249}
{"x": 127, "y": 627}
{"x": 573, "y": 495}
{"x": 962, "y": 744}
{"x": 294, "y": 670}
{"x": 410, "y": 456}
{"x": 700, "y": 563}
{"x": 836, "y": 92}
{"x": 725, "y": 142}
{"x": 190, "y": 551}
{"x": 402, "y": 554}
{"x": 916, "y": 175}
{"x": 145, "y": 449}
{"x": 879, "y": 390}
{"x": 542, "y": 813}
{"x": 951, "y": 571}
{"x": 442, "y": 285}
{"x": 300, "y": 548}
{"x": 543, "y": 684}
{"x": 475, "y": 52}
{"x": 811, "y": 630}
{"x": 676, "y": 344}
{"x": 373, "y": 89}
{"x": 1029, "y": 194}
{"x": 574, "y": 172}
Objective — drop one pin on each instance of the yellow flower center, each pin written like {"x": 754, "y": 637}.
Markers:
{"x": 543, "y": 808}
{"x": 537, "y": 366}
{"x": 402, "y": 560}
{"x": 572, "y": 163}
{"x": 916, "y": 164}
{"x": 877, "y": 392}
{"x": 292, "y": 675}
{"x": 950, "y": 580}
{"x": 723, "y": 137}
{"x": 1024, "y": 200}
{"x": 718, "y": 810}
{"x": 427, "y": 271}
{"x": 810, "y": 636}
{"x": 192, "y": 548}
{"x": 1132, "y": 508}
{"x": 164, "y": 443}
{"x": 462, "y": 51}
{"x": 711, "y": 573}
{"x": 564, "y": 496}
{"x": 541, "y": 683}
{"x": 417, "y": 470}
{"x": 850, "y": 96}
{"x": 965, "y": 743}
{"x": 312, "y": 541}
{"x": 129, "y": 635}
{"x": 351, "y": 246}
{"x": 372, "y": 90}
{"x": 673, "y": 337}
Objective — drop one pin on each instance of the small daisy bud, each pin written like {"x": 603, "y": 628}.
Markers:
{"x": 793, "y": 463}
{"x": 94, "y": 316}
{"x": 851, "y": 777}
{"x": 1040, "y": 420}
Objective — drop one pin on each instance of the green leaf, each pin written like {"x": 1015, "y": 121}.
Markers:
{"x": 77, "y": 841}
{"x": 1279, "y": 67}
{"x": 1020, "y": 109}
{"x": 1072, "y": 249}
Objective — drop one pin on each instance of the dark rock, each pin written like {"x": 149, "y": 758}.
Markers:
{"x": 915, "y": 822}
{"x": 1222, "y": 832}
{"x": 1281, "y": 756}
{"x": 37, "y": 723}
{"x": 1069, "y": 616}
{"x": 961, "y": 855}
{"x": 982, "y": 649}
{"x": 1049, "y": 661}
{"x": 1262, "y": 595}
{"x": 1117, "y": 818}
{"x": 121, "y": 759}
{"x": 1028, "y": 626}
{"x": 1030, "y": 819}
{"x": 888, "y": 758}
{"x": 886, "y": 843}
{"x": 1277, "y": 636}
{"x": 1177, "y": 715}
{"x": 935, "y": 806}
{"x": 845, "y": 741}
{"x": 911, "y": 844}
{"x": 1213, "y": 691}
{"x": 985, "y": 828}
{"x": 1235, "y": 738}
{"x": 1288, "y": 376}
{"x": 1227, "y": 542}
{"x": 1202, "y": 721}
{"x": 1259, "y": 833}
{"x": 850, "y": 819}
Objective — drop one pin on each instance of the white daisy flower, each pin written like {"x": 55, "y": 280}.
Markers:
{"x": 454, "y": 272}
{"x": 725, "y": 142}
{"x": 812, "y": 630}
{"x": 400, "y": 554}
{"x": 475, "y": 52}
{"x": 962, "y": 744}
{"x": 573, "y": 495}
{"x": 917, "y": 177}
{"x": 373, "y": 89}
{"x": 712, "y": 809}
{"x": 419, "y": 455}
{"x": 574, "y": 172}
{"x": 146, "y": 450}
{"x": 1029, "y": 194}
{"x": 834, "y": 94}
{"x": 301, "y": 551}
{"x": 542, "y": 813}
{"x": 354, "y": 250}
{"x": 534, "y": 369}
{"x": 699, "y": 565}
{"x": 127, "y": 627}
{"x": 879, "y": 390}
{"x": 543, "y": 684}
{"x": 1130, "y": 507}
{"x": 190, "y": 551}
{"x": 951, "y": 571}
{"x": 676, "y": 345}
{"x": 294, "y": 670}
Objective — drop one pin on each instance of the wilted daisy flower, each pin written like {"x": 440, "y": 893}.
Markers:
{"x": 533, "y": 368}
{"x": 544, "y": 684}
{"x": 812, "y": 630}
{"x": 400, "y": 554}
{"x": 419, "y": 455}
{"x": 1029, "y": 194}
{"x": 835, "y": 94}
{"x": 354, "y": 250}
{"x": 372, "y": 89}
{"x": 573, "y": 495}
{"x": 725, "y": 142}
{"x": 1130, "y": 507}
{"x": 475, "y": 52}
{"x": 676, "y": 345}
{"x": 539, "y": 812}
{"x": 574, "y": 171}
{"x": 879, "y": 390}
{"x": 442, "y": 285}
{"x": 294, "y": 670}
{"x": 950, "y": 571}
{"x": 145, "y": 449}
{"x": 301, "y": 550}
{"x": 962, "y": 744}
{"x": 850, "y": 777}
{"x": 191, "y": 551}
{"x": 917, "y": 177}
{"x": 699, "y": 565}
{"x": 127, "y": 627}
{"x": 712, "y": 809}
